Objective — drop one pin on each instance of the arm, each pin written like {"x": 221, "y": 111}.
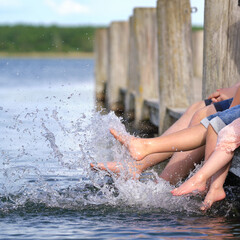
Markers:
{"x": 224, "y": 93}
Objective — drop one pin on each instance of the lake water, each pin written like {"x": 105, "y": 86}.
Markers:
{"x": 49, "y": 133}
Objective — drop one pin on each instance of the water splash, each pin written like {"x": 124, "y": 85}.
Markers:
{"x": 46, "y": 160}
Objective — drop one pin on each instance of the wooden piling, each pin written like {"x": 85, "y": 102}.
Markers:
{"x": 221, "y": 45}
{"x": 118, "y": 39}
{"x": 175, "y": 57}
{"x": 197, "y": 53}
{"x": 221, "y": 65}
{"x": 143, "y": 72}
{"x": 129, "y": 102}
{"x": 101, "y": 62}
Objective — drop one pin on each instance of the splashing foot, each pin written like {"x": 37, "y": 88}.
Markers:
{"x": 214, "y": 195}
{"x": 129, "y": 170}
{"x": 138, "y": 148}
{"x": 193, "y": 185}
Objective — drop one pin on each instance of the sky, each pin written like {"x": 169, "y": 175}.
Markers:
{"x": 78, "y": 12}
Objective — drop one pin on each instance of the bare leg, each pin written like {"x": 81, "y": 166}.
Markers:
{"x": 154, "y": 159}
{"x": 185, "y": 120}
{"x": 195, "y": 139}
{"x": 196, "y": 183}
{"x": 139, "y": 147}
{"x": 216, "y": 191}
{"x": 186, "y": 139}
{"x": 181, "y": 163}
{"x": 199, "y": 181}
{"x": 133, "y": 168}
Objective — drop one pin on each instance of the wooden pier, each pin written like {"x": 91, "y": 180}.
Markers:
{"x": 153, "y": 66}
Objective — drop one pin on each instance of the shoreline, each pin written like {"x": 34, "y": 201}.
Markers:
{"x": 47, "y": 55}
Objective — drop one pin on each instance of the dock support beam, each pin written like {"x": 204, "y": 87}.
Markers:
{"x": 144, "y": 58}
{"x": 101, "y": 57}
{"x": 175, "y": 57}
{"x": 118, "y": 39}
{"x": 221, "y": 44}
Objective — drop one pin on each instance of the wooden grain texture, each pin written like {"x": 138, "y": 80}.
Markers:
{"x": 144, "y": 42}
{"x": 221, "y": 66}
{"x": 175, "y": 56}
{"x": 118, "y": 39}
{"x": 197, "y": 52}
{"x": 101, "y": 61}
{"x": 132, "y": 69}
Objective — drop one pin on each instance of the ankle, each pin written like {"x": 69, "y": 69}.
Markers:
{"x": 200, "y": 179}
{"x": 215, "y": 187}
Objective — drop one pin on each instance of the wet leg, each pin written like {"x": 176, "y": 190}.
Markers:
{"x": 198, "y": 182}
{"x": 186, "y": 139}
{"x": 181, "y": 164}
{"x": 216, "y": 191}
{"x": 214, "y": 165}
{"x": 134, "y": 168}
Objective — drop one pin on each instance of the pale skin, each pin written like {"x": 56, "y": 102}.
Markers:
{"x": 183, "y": 140}
{"x": 180, "y": 163}
{"x": 217, "y": 164}
{"x": 215, "y": 169}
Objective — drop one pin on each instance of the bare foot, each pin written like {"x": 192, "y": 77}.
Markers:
{"x": 192, "y": 185}
{"x": 137, "y": 146}
{"x": 214, "y": 195}
{"x": 132, "y": 170}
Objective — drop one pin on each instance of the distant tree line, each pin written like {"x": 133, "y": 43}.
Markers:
{"x": 24, "y": 38}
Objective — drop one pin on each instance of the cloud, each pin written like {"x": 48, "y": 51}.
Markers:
{"x": 66, "y": 7}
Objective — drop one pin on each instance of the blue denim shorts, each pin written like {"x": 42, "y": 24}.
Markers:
{"x": 220, "y": 119}
{"x": 219, "y": 106}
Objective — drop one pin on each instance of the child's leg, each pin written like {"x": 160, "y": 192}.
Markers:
{"x": 186, "y": 118}
{"x": 181, "y": 163}
{"x": 186, "y": 139}
{"x": 134, "y": 168}
{"x": 193, "y": 137}
{"x": 214, "y": 162}
{"x": 216, "y": 191}
{"x": 218, "y": 160}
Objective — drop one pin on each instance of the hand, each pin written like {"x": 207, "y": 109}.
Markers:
{"x": 222, "y": 94}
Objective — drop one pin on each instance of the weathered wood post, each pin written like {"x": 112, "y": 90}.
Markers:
{"x": 197, "y": 55}
{"x": 197, "y": 52}
{"x": 143, "y": 72}
{"x": 175, "y": 57}
{"x": 221, "y": 44}
{"x": 221, "y": 67}
{"x": 101, "y": 62}
{"x": 132, "y": 75}
{"x": 118, "y": 40}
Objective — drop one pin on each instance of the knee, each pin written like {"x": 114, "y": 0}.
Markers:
{"x": 195, "y": 107}
{"x": 201, "y": 114}
{"x": 198, "y": 116}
